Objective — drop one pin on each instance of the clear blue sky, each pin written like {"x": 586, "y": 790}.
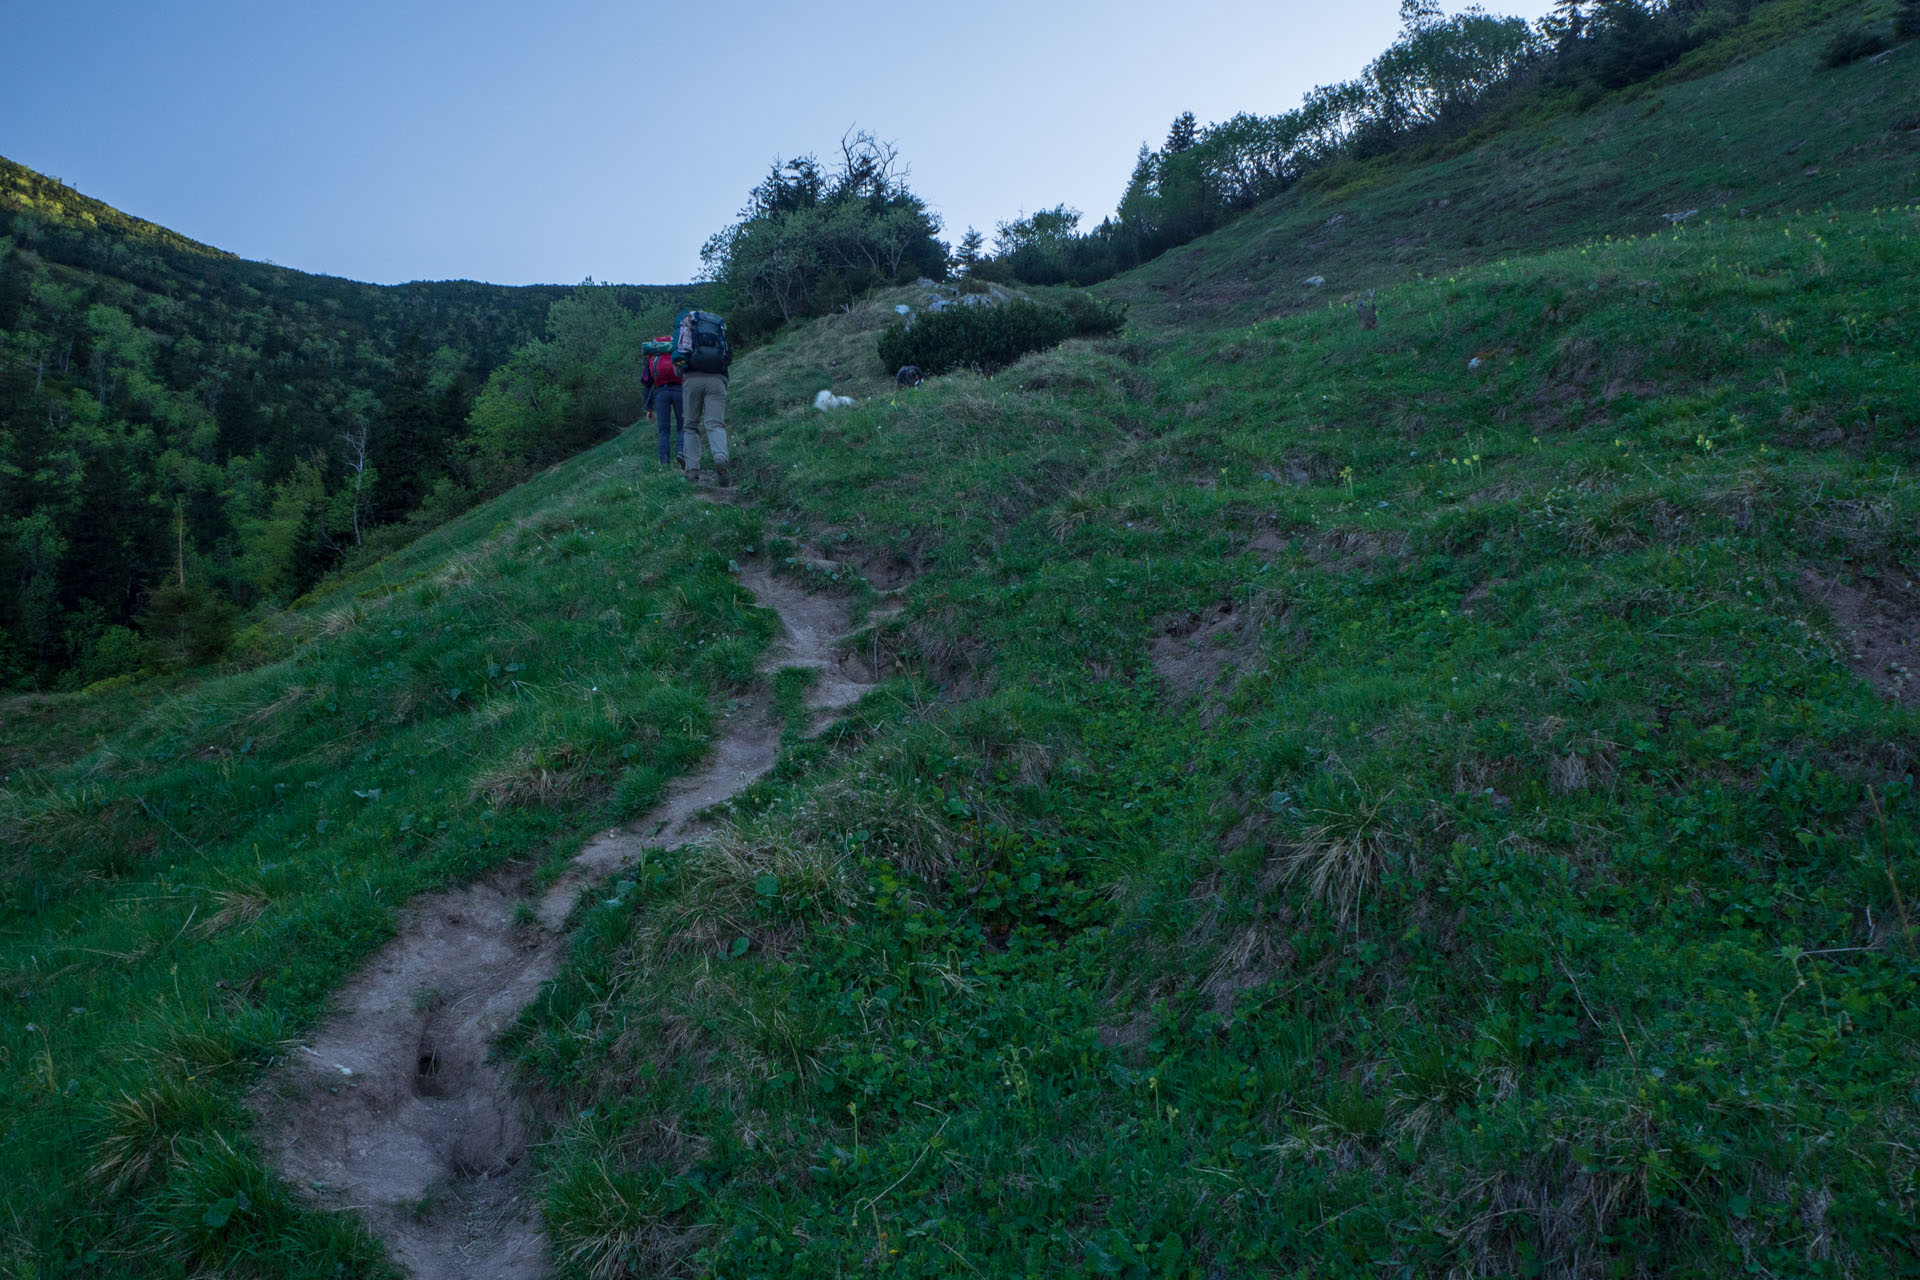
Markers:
{"x": 521, "y": 143}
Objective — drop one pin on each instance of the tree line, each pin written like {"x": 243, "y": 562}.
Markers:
{"x": 185, "y": 435}
{"x": 1441, "y": 77}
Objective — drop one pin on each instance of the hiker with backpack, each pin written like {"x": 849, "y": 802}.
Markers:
{"x": 701, "y": 354}
{"x": 664, "y": 397}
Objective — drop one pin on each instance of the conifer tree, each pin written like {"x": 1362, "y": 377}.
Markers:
{"x": 1184, "y": 135}
{"x": 972, "y": 249}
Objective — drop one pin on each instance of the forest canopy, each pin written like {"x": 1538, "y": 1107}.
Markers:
{"x": 185, "y": 435}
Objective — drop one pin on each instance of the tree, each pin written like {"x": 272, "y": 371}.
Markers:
{"x": 972, "y": 249}
{"x": 402, "y": 440}
{"x": 1037, "y": 247}
{"x": 1183, "y": 135}
{"x": 1442, "y": 67}
{"x": 1566, "y": 24}
{"x": 285, "y": 547}
{"x": 811, "y": 238}
{"x": 15, "y": 289}
{"x": 359, "y": 476}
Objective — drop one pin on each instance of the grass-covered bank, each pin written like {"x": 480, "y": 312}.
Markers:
{"x": 1772, "y": 132}
{"x": 182, "y": 895}
{"x": 1432, "y": 798}
{"x": 1399, "y": 800}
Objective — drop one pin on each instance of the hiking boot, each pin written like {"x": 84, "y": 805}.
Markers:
{"x": 722, "y": 476}
{"x": 692, "y": 474}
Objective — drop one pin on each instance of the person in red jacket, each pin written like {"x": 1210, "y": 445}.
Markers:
{"x": 663, "y": 384}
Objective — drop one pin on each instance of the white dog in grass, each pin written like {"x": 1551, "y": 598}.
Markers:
{"x": 826, "y": 401}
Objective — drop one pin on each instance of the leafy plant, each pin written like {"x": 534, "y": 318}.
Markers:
{"x": 1850, "y": 45}
{"x": 986, "y": 338}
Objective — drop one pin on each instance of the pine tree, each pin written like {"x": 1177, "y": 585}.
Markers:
{"x": 404, "y": 448}
{"x": 14, "y": 290}
{"x": 1184, "y": 135}
{"x": 1568, "y": 21}
{"x": 972, "y": 249}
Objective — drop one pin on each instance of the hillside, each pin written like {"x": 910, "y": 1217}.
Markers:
{"x": 168, "y": 410}
{"x": 1433, "y": 798}
{"x": 1743, "y": 143}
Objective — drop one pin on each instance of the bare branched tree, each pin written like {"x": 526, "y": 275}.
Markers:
{"x": 356, "y": 443}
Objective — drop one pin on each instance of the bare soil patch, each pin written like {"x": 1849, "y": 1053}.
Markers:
{"x": 394, "y": 1110}
{"x": 1194, "y": 649}
{"x": 1346, "y": 550}
{"x": 1880, "y": 627}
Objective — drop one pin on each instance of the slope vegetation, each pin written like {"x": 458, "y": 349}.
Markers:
{"x": 172, "y": 412}
{"x": 189, "y": 873}
{"x": 1432, "y": 798}
{"x": 1774, "y": 133}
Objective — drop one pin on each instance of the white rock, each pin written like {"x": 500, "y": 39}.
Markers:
{"x": 827, "y": 401}
{"x": 1314, "y": 282}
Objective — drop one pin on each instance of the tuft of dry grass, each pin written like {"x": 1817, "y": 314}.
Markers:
{"x": 611, "y": 1225}
{"x": 236, "y": 906}
{"x": 544, "y": 775}
{"x": 142, "y": 1133}
{"x": 339, "y": 621}
{"x": 1342, "y": 857}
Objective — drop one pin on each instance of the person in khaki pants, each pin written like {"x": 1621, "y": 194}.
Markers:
{"x": 701, "y": 353}
{"x": 706, "y": 406}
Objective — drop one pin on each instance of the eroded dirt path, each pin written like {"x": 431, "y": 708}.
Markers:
{"x": 393, "y": 1110}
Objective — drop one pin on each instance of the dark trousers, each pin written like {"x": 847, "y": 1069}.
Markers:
{"x": 667, "y": 405}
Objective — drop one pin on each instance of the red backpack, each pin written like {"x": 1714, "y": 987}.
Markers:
{"x": 660, "y": 370}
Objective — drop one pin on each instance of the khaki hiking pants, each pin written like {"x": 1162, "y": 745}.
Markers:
{"x": 706, "y": 407}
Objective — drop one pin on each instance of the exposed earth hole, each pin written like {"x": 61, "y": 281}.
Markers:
{"x": 426, "y": 1076}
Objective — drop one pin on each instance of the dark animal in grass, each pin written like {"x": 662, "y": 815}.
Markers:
{"x": 1368, "y": 313}
{"x": 909, "y": 376}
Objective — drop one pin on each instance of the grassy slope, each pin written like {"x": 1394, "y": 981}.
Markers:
{"x": 1528, "y": 893}
{"x": 1771, "y": 135}
{"x": 1037, "y": 976}
{"x": 189, "y": 872}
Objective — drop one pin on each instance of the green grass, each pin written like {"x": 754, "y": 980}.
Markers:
{"x": 1523, "y": 898}
{"x": 1343, "y": 801}
{"x": 181, "y": 897}
{"x": 1772, "y": 133}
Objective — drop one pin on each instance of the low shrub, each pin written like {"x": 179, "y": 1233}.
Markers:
{"x": 1851, "y": 45}
{"x": 987, "y": 338}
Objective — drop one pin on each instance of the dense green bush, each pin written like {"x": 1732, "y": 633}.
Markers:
{"x": 990, "y": 338}
{"x": 1850, "y": 45}
{"x": 1093, "y": 317}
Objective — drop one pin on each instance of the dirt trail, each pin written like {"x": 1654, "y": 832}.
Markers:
{"x": 392, "y": 1108}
